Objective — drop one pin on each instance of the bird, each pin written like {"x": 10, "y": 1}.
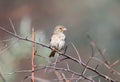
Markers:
{"x": 57, "y": 41}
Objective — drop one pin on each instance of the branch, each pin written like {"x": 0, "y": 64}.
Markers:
{"x": 33, "y": 55}
{"x": 68, "y": 70}
{"x": 21, "y": 38}
{"x": 65, "y": 55}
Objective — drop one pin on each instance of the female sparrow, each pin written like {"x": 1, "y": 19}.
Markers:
{"x": 57, "y": 40}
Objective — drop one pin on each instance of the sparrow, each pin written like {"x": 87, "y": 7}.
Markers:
{"x": 57, "y": 41}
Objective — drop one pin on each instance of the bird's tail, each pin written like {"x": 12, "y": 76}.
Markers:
{"x": 52, "y": 54}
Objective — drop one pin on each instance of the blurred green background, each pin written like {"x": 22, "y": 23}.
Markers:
{"x": 98, "y": 18}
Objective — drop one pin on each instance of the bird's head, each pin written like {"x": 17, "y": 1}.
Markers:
{"x": 60, "y": 28}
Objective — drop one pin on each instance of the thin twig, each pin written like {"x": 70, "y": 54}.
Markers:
{"x": 77, "y": 80}
{"x": 21, "y": 38}
{"x": 76, "y": 52}
{"x": 59, "y": 76}
{"x": 68, "y": 70}
{"x": 12, "y": 26}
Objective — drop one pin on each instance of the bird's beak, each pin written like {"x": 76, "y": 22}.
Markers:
{"x": 64, "y": 29}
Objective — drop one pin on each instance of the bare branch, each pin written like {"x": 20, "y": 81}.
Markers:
{"x": 68, "y": 67}
{"x": 65, "y": 55}
{"x": 21, "y": 38}
{"x": 76, "y": 52}
{"x": 12, "y": 26}
{"x": 59, "y": 76}
{"x": 33, "y": 56}
{"x": 63, "y": 69}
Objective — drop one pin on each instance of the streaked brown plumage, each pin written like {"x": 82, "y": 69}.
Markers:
{"x": 58, "y": 39}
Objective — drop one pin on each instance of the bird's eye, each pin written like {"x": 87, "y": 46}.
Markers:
{"x": 60, "y": 28}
